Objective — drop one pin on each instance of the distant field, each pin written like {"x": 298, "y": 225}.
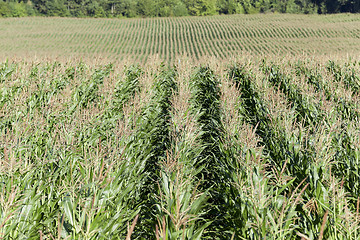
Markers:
{"x": 196, "y": 37}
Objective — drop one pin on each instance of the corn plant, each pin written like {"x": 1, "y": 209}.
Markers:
{"x": 104, "y": 124}
{"x": 345, "y": 142}
{"x": 45, "y": 93}
{"x": 87, "y": 91}
{"x": 181, "y": 206}
{"x": 127, "y": 89}
{"x": 347, "y": 158}
{"x": 346, "y": 108}
{"x": 6, "y": 70}
{"x": 212, "y": 159}
{"x": 307, "y": 110}
{"x": 292, "y": 154}
{"x": 347, "y": 76}
{"x": 202, "y": 159}
{"x": 149, "y": 144}
{"x": 72, "y": 72}
{"x": 206, "y": 108}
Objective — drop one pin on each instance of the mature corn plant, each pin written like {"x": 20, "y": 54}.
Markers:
{"x": 102, "y": 204}
{"x": 104, "y": 124}
{"x": 306, "y": 109}
{"x": 104, "y": 196}
{"x": 59, "y": 186}
{"x": 87, "y": 91}
{"x": 47, "y": 87}
{"x": 344, "y": 141}
{"x": 9, "y": 93}
{"x": 345, "y": 107}
{"x": 6, "y": 70}
{"x": 126, "y": 89}
{"x": 212, "y": 159}
{"x": 206, "y": 107}
{"x": 256, "y": 113}
{"x": 345, "y": 74}
{"x": 181, "y": 206}
{"x": 88, "y": 203}
{"x": 344, "y": 154}
{"x": 254, "y": 193}
{"x": 304, "y": 158}
{"x": 347, "y": 158}
{"x": 282, "y": 156}
{"x": 20, "y": 172}
{"x": 120, "y": 203}
{"x": 149, "y": 145}
{"x": 74, "y": 71}
{"x": 79, "y": 160}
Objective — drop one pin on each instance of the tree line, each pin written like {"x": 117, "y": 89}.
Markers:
{"x": 168, "y": 8}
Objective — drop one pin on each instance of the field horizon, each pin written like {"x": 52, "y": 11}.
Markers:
{"x": 141, "y": 39}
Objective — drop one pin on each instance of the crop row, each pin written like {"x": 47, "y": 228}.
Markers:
{"x": 245, "y": 151}
{"x": 170, "y": 38}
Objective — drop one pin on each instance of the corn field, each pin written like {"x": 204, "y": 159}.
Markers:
{"x": 258, "y": 149}
{"x": 141, "y": 40}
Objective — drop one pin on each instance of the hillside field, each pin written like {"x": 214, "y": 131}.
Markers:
{"x": 168, "y": 38}
{"x": 225, "y": 127}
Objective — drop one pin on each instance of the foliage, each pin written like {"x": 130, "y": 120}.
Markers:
{"x": 166, "y": 8}
{"x": 162, "y": 154}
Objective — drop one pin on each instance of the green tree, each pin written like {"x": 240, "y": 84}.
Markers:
{"x": 250, "y": 6}
{"x": 17, "y": 9}
{"x": 180, "y": 9}
{"x": 95, "y": 10}
{"x": 146, "y": 8}
{"x": 5, "y": 10}
{"x": 201, "y": 7}
{"x": 51, "y": 7}
{"x": 226, "y": 6}
{"x": 128, "y": 8}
